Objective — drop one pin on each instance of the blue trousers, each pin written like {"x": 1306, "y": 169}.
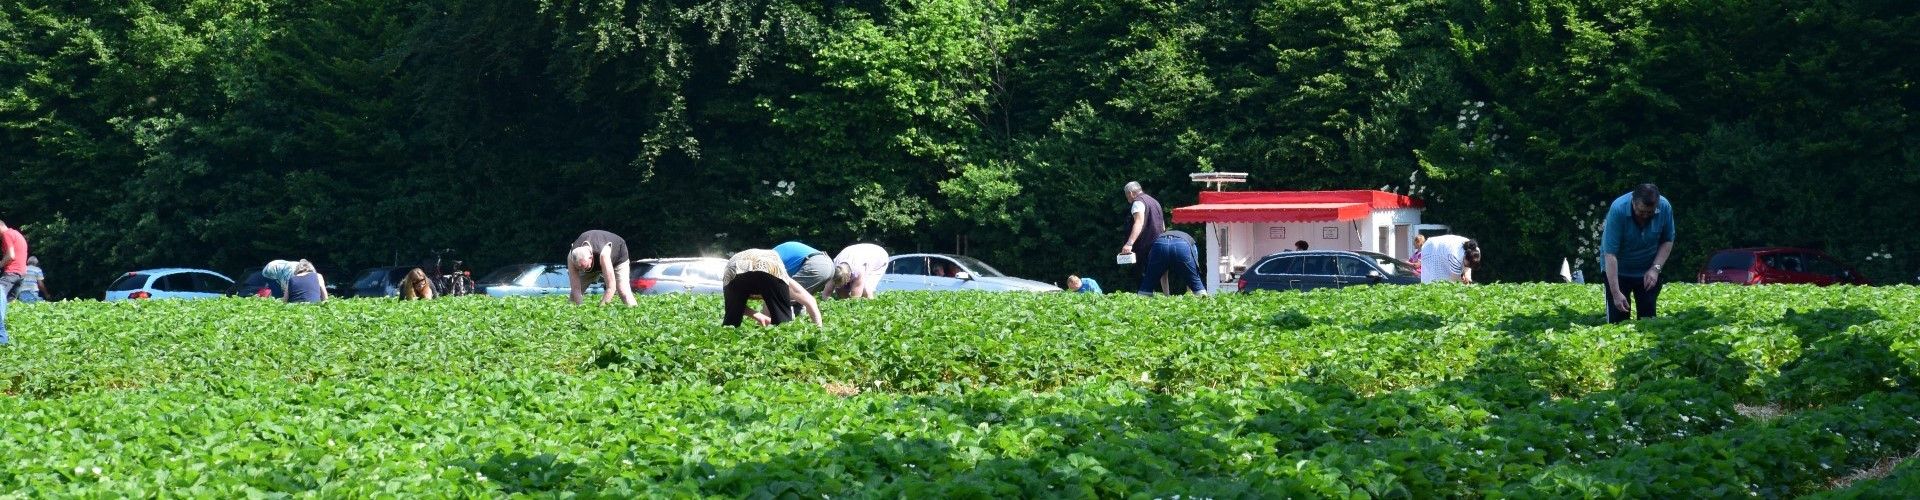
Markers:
{"x": 1172, "y": 254}
{"x": 7, "y": 284}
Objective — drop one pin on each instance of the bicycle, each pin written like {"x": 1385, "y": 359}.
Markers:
{"x": 453, "y": 280}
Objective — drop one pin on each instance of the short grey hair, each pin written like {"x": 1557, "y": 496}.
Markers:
{"x": 1132, "y": 187}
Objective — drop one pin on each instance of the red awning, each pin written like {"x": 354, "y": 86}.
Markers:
{"x": 1271, "y": 212}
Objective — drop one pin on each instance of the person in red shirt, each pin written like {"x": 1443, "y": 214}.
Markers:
{"x": 13, "y": 269}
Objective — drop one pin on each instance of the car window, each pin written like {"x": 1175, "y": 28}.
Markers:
{"x": 1317, "y": 265}
{"x": 1789, "y": 262}
{"x": 978, "y": 268}
{"x": 673, "y": 271}
{"x": 1823, "y": 265}
{"x": 908, "y": 266}
{"x": 177, "y": 282}
{"x": 1352, "y": 267}
{"x": 1281, "y": 265}
{"x": 129, "y": 282}
{"x": 398, "y": 274}
{"x": 209, "y": 283}
{"x": 510, "y": 275}
{"x": 710, "y": 271}
{"x": 370, "y": 278}
{"x": 553, "y": 278}
{"x": 1738, "y": 261}
{"x": 1390, "y": 265}
{"x": 941, "y": 266}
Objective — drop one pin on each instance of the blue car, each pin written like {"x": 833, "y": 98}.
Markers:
{"x": 169, "y": 283}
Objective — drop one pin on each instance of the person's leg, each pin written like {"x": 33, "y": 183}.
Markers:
{"x": 1189, "y": 270}
{"x": 7, "y": 284}
{"x": 623, "y": 279}
{"x": 774, "y": 293}
{"x": 1615, "y": 313}
{"x": 814, "y": 272}
{"x": 1646, "y": 300}
{"x": 1156, "y": 266}
{"x": 736, "y": 299}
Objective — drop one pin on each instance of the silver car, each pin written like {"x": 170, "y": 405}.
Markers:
{"x": 947, "y": 272}
{"x": 531, "y": 280}
{"x": 679, "y": 275}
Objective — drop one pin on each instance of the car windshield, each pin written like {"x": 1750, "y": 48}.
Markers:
{"x": 132, "y": 281}
{"x": 370, "y": 278}
{"x": 509, "y": 275}
{"x": 979, "y": 269}
{"x": 1739, "y": 261}
{"x": 1391, "y": 265}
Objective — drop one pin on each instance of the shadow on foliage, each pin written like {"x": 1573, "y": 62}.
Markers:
{"x": 1417, "y": 321}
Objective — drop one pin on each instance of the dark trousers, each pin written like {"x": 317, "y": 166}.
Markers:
{"x": 1170, "y": 254}
{"x": 1642, "y": 299}
{"x": 769, "y": 288}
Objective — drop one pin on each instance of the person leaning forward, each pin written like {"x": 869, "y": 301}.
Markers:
{"x": 600, "y": 254}
{"x": 759, "y": 274}
{"x": 808, "y": 266}
{"x": 1635, "y": 240}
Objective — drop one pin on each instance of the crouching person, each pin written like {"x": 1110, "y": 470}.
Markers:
{"x": 760, "y": 274}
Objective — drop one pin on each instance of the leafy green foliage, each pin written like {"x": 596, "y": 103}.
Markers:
{"x": 358, "y": 132}
{"x": 1433, "y": 391}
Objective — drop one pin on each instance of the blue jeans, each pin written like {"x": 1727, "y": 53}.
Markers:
{"x": 1170, "y": 253}
{"x": 7, "y": 284}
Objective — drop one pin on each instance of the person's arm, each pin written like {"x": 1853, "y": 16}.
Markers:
{"x": 1139, "y": 222}
{"x": 7, "y": 256}
{"x": 1659, "y": 261}
{"x": 1610, "y": 261}
{"x": 323, "y": 286}
{"x": 806, "y": 300}
{"x": 1666, "y": 245}
{"x": 429, "y": 293}
{"x": 576, "y": 284}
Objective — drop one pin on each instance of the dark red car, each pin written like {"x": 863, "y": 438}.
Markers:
{"x": 1755, "y": 266}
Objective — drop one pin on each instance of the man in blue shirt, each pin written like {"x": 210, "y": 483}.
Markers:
{"x": 1634, "y": 244}
{"x": 808, "y": 266}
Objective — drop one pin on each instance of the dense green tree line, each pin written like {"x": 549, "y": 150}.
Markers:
{"x": 222, "y": 133}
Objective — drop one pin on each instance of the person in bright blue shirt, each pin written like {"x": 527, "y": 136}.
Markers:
{"x": 1075, "y": 283}
{"x": 808, "y": 266}
{"x": 1634, "y": 244}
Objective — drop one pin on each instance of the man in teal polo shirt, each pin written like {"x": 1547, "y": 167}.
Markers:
{"x": 1634, "y": 244}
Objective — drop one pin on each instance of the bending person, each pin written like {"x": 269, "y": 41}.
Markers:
{"x": 603, "y": 255}
{"x": 857, "y": 272}
{"x": 759, "y": 274}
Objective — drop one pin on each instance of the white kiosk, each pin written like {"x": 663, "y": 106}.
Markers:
{"x": 1243, "y": 226}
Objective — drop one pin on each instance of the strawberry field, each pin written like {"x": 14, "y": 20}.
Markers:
{"x": 1492, "y": 391}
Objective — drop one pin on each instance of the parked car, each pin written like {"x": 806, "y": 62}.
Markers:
{"x": 253, "y": 283}
{"x": 947, "y": 272}
{"x": 1755, "y": 266}
{"x": 169, "y": 283}
{"x": 1311, "y": 270}
{"x": 677, "y": 275}
{"x": 377, "y": 282}
{"x": 530, "y": 280}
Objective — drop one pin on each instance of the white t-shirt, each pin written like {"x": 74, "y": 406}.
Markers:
{"x": 1139, "y": 207}
{"x": 1443, "y": 258}
{"x": 868, "y": 262}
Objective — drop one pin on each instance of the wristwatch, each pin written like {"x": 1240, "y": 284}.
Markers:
{"x": 1656, "y": 268}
